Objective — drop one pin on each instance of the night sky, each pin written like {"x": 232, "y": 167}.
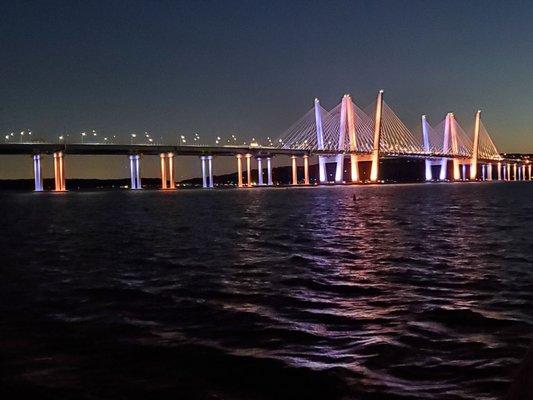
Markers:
{"x": 252, "y": 68}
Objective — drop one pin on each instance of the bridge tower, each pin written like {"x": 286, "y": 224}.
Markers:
{"x": 374, "y": 171}
{"x": 445, "y": 146}
{"x": 354, "y": 162}
{"x": 475, "y": 148}
{"x": 455, "y": 148}
{"x": 320, "y": 143}
{"x": 342, "y": 134}
{"x": 425, "y": 136}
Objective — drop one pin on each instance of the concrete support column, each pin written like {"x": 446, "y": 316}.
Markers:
{"x": 170, "y": 159}
{"x": 456, "y": 170}
{"x": 483, "y": 172}
{"x": 37, "y": 173}
{"x": 269, "y": 171}
{"x": 248, "y": 170}
{"x": 204, "y": 177}
{"x": 354, "y": 168}
{"x": 294, "y": 180}
{"x": 133, "y": 184}
{"x": 259, "y": 171}
{"x": 499, "y": 167}
{"x": 374, "y": 169}
{"x": 59, "y": 172}
{"x": 515, "y": 176}
{"x": 210, "y": 169}
{"x": 163, "y": 157}
{"x": 138, "y": 171}
{"x": 463, "y": 172}
{"x": 529, "y": 168}
{"x": 306, "y": 170}
{"x": 239, "y": 170}
{"x": 523, "y": 172}
{"x": 322, "y": 169}
{"x": 489, "y": 172}
{"x": 507, "y": 172}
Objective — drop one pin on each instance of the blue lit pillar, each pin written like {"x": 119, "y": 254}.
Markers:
{"x": 37, "y": 173}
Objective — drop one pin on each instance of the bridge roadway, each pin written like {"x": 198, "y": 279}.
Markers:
{"x": 32, "y": 148}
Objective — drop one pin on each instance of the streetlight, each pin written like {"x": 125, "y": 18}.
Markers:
{"x": 133, "y": 136}
{"x": 83, "y": 134}
{"x": 21, "y": 135}
{"x": 61, "y": 137}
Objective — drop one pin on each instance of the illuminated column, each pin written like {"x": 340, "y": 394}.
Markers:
{"x": 507, "y": 172}
{"x": 523, "y": 172}
{"x": 170, "y": 159}
{"x": 294, "y": 171}
{"x": 163, "y": 156}
{"x": 239, "y": 170}
{"x": 425, "y": 135}
{"x": 248, "y": 170}
{"x": 133, "y": 184}
{"x": 210, "y": 169}
{"x": 499, "y": 172}
{"x": 204, "y": 177}
{"x": 37, "y": 173}
{"x": 306, "y": 170}
{"x": 259, "y": 171}
{"x": 445, "y": 148}
{"x": 269, "y": 172}
{"x": 529, "y": 168}
{"x": 489, "y": 172}
{"x": 515, "y": 176}
{"x": 339, "y": 170}
{"x": 374, "y": 171}
{"x": 519, "y": 173}
{"x": 473, "y": 162}
{"x": 59, "y": 171}
{"x": 455, "y": 148}
{"x": 463, "y": 175}
{"x": 320, "y": 143}
{"x": 354, "y": 164}
{"x": 483, "y": 172}
{"x": 138, "y": 172}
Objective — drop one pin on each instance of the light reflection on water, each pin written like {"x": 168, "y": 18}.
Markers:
{"x": 414, "y": 291}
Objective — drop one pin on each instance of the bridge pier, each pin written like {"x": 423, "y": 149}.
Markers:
{"x": 515, "y": 175}
{"x": 248, "y": 170}
{"x": 523, "y": 172}
{"x": 37, "y": 173}
{"x": 306, "y": 169}
{"x": 475, "y": 149}
{"x": 135, "y": 172}
{"x": 499, "y": 167}
{"x": 167, "y": 171}
{"x": 529, "y": 168}
{"x": 204, "y": 177}
{"x": 489, "y": 172}
{"x": 456, "y": 170}
{"x": 425, "y": 138}
{"x": 294, "y": 180}
{"x": 59, "y": 172}
{"x": 259, "y": 171}
{"x": 210, "y": 170}
{"x": 507, "y": 172}
{"x": 463, "y": 172}
{"x": 483, "y": 172}
{"x": 269, "y": 171}
{"x": 239, "y": 170}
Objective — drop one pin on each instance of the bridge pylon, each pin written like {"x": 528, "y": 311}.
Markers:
{"x": 425, "y": 137}
{"x": 320, "y": 142}
{"x": 374, "y": 170}
{"x": 475, "y": 147}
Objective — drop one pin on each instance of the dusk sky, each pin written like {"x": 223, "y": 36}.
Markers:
{"x": 252, "y": 68}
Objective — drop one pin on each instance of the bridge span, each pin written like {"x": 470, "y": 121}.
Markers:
{"x": 344, "y": 132}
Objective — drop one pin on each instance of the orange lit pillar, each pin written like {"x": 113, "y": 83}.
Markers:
{"x": 59, "y": 172}
{"x": 523, "y": 172}
{"x": 306, "y": 170}
{"x": 508, "y": 172}
{"x": 239, "y": 170}
{"x": 294, "y": 171}
{"x": 529, "y": 169}
{"x": 248, "y": 170}
{"x": 499, "y": 166}
{"x": 163, "y": 171}
{"x": 170, "y": 158}
{"x": 515, "y": 169}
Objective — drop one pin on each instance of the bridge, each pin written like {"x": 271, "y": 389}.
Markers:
{"x": 344, "y": 132}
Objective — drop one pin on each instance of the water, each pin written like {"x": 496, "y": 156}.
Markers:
{"x": 410, "y": 292}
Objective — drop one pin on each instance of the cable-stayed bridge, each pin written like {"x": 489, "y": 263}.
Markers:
{"x": 345, "y": 132}
{"x": 377, "y": 132}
